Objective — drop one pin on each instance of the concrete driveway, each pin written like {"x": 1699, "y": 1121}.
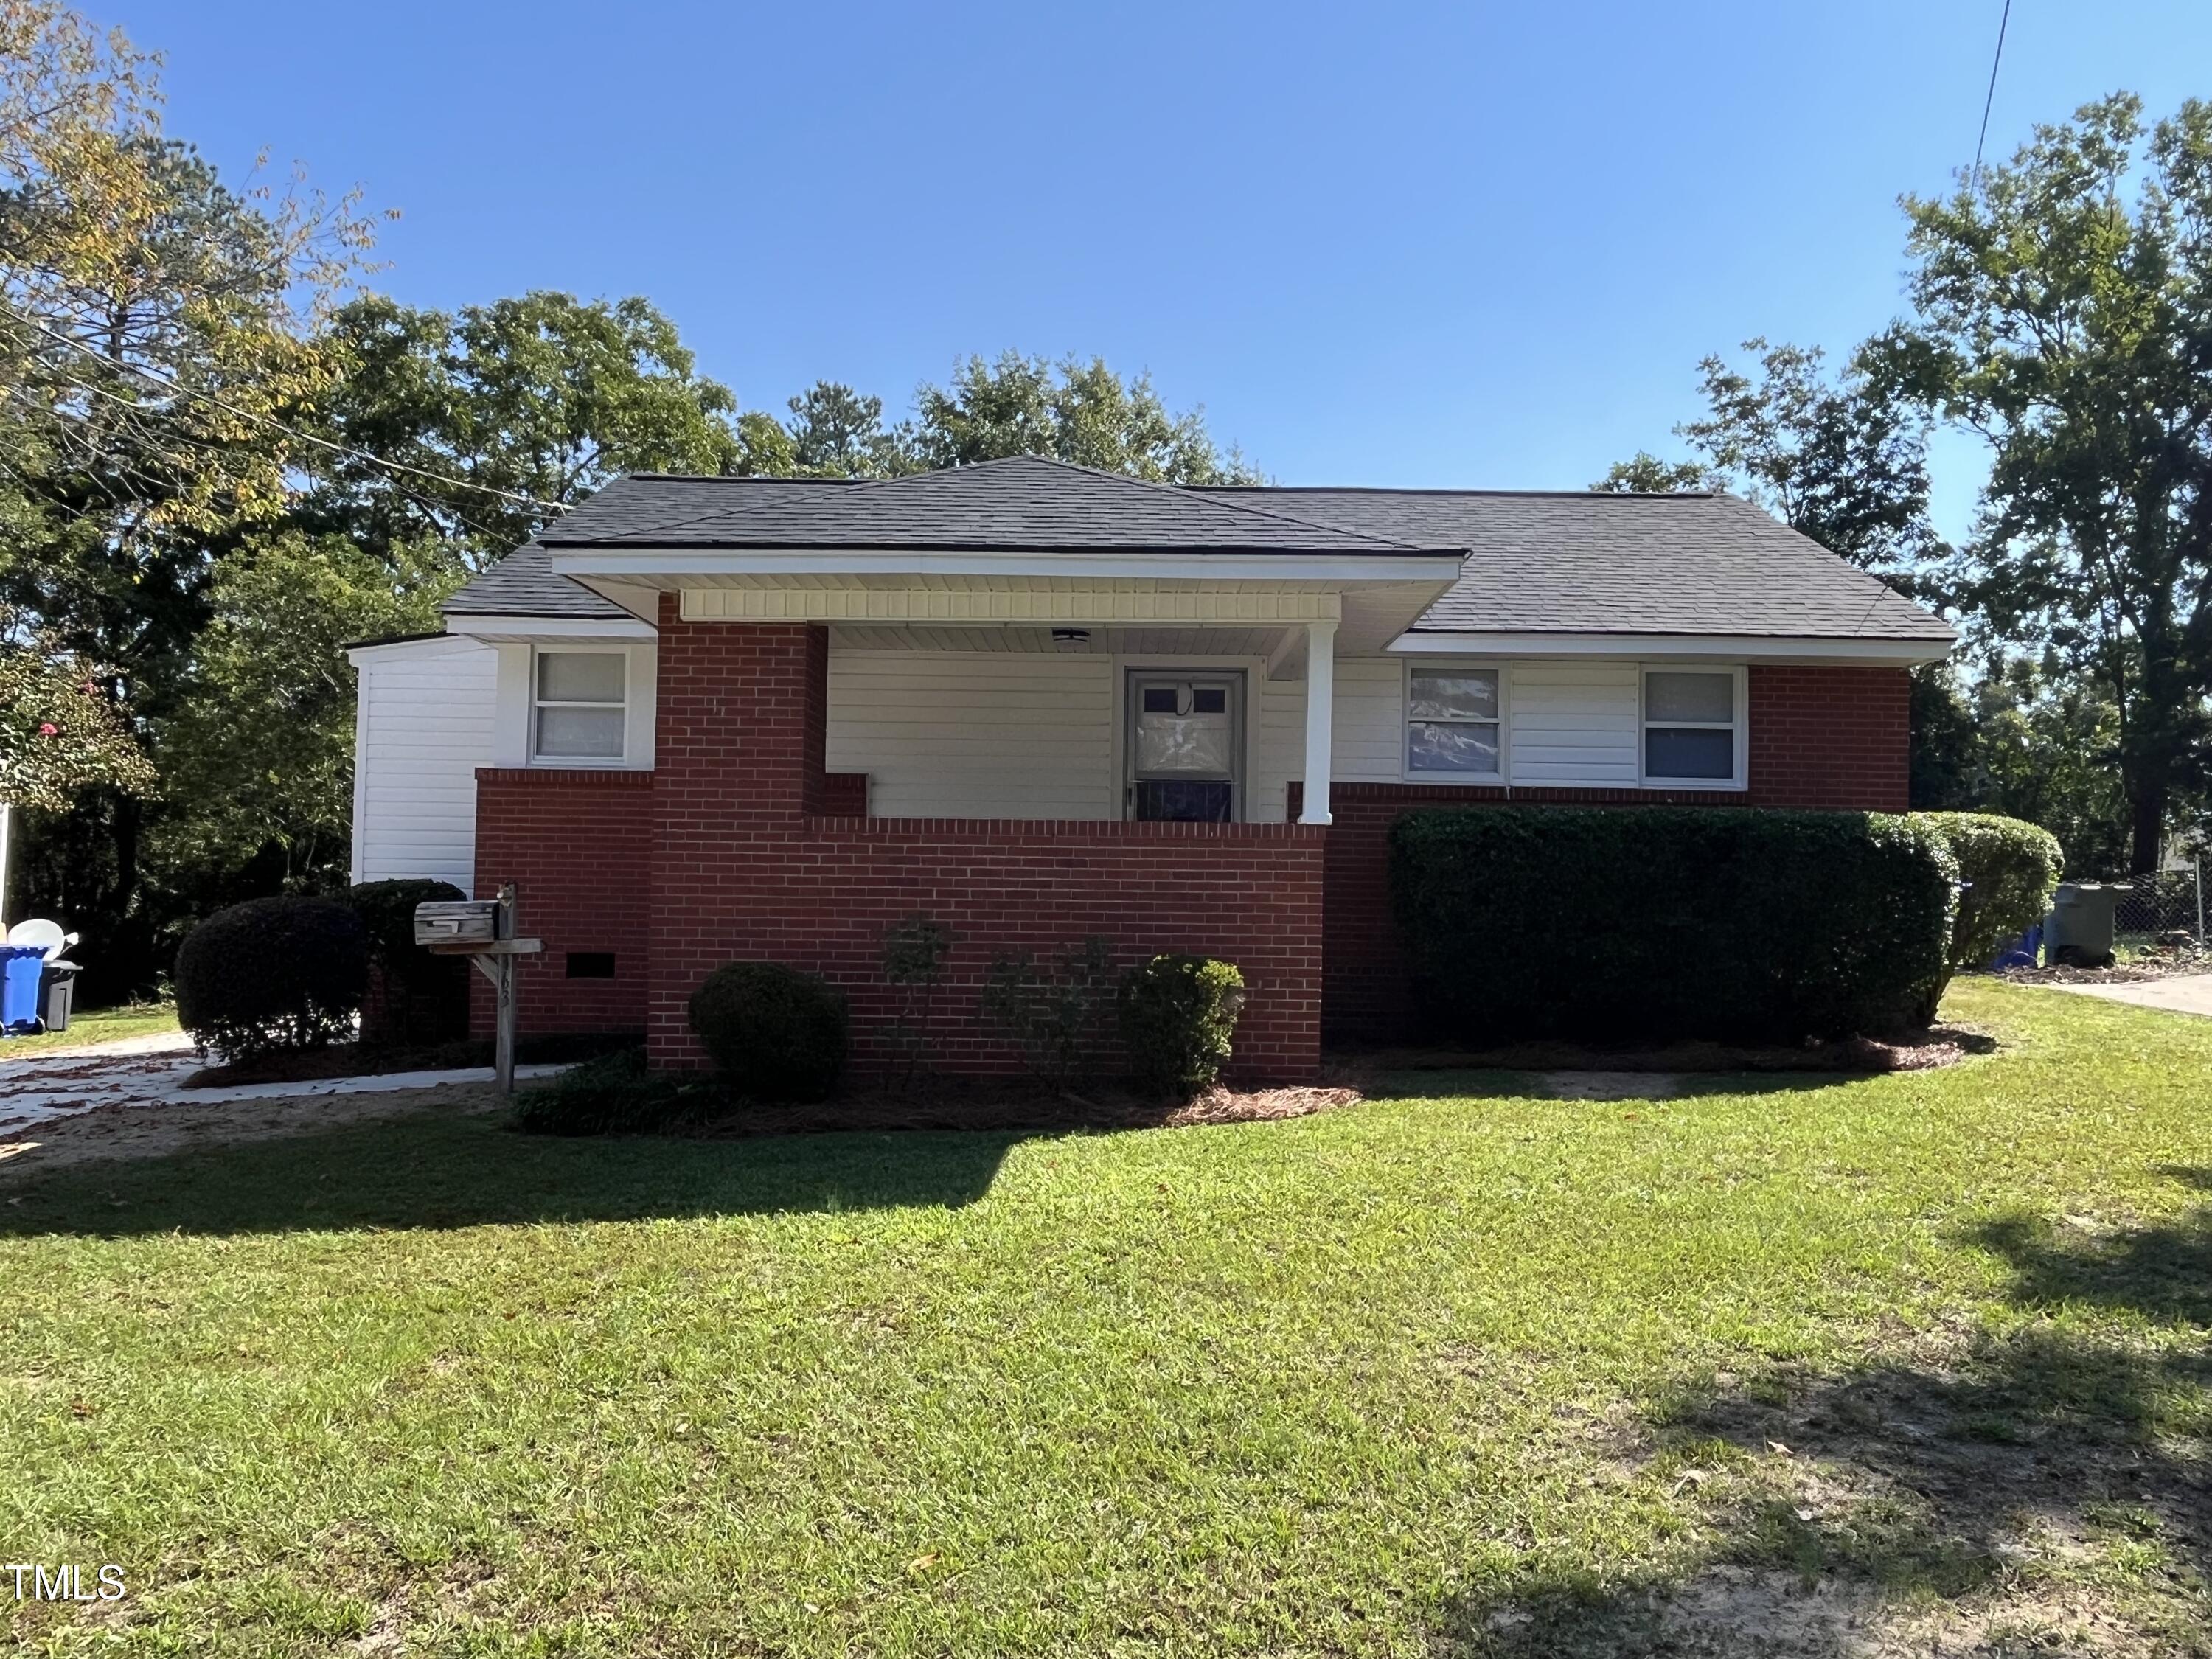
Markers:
{"x": 151, "y": 1072}
{"x": 2185, "y": 993}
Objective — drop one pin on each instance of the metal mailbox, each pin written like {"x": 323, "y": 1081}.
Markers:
{"x": 456, "y": 921}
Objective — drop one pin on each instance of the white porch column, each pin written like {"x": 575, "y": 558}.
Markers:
{"x": 1320, "y": 706}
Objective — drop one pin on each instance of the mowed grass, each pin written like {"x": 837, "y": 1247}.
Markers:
{"x": 1470, "y": 1370}
{"x": 97, "y": 1025}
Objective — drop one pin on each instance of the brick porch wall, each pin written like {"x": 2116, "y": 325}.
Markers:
{"x": 1837, "y": 738}
{"x": 578, "y": 847}
{"x": 747, "y": 864}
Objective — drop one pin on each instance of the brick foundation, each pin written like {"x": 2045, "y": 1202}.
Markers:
{"x": 1835, "y": 737}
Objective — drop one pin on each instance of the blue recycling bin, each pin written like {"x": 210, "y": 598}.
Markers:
{"x": 20, "y": 966}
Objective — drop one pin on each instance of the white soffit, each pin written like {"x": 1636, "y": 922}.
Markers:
{"x": 1072, "y": 603}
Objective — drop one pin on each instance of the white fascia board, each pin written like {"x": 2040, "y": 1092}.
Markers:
{"x": 551, "y": 628}
{"x": 666, "y": 568}
{"x": 428, "y": 645}
{"x": 1727, "y": 647}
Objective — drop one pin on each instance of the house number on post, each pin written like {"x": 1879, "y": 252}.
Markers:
{"x": 483, "y": 930}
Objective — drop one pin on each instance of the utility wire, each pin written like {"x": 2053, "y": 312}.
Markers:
{"x": 1990, "y": 96}
{"x": 168, "y": 385}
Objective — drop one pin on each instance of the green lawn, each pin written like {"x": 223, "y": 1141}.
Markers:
{"x": 100, "y": 1025}
{"x": 1473, "y": 1370}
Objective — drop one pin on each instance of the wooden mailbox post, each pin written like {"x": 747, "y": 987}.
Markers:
{"x": 483, "y": 930}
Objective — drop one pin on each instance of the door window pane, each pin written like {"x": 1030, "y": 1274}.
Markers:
{"x": 1453, "y": 695}
{"x": 1435, "y": 746}
{"x": 1159, "y": 699}
{"x": 1672, "y": 698}
{"x": 1676, "y": 752}
{"x": 1184, "y": 800}
{"x": 1179, "y": 743}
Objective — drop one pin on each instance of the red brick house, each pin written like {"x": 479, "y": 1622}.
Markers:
{"x": 706, "y": 719}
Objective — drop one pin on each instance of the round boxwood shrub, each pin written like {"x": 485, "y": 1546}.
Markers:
{"x": 414, "y": 997}
{"x": 272, "y": 974}
{"x": 1178, "y": 1015}
{"x": 773, "y": 1032}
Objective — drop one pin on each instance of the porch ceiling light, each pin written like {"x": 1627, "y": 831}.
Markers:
{"x": 1071, "y": 639}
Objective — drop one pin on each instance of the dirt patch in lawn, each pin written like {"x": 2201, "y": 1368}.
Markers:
{"x": 2155, "y": 964}
{"x": 142, "y": 1131}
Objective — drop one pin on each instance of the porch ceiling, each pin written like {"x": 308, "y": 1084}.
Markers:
{"x": 1103, "y": 642}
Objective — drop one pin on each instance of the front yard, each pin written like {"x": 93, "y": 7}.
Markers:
{"x": 1917, "y": 1362}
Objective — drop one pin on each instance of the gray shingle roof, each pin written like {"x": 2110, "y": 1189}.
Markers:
{"x": 523, "y": 585}
{"x": 1023, "y": 504}
{"x": 1589, "y": 563}
{"x": 1536, "y": 562}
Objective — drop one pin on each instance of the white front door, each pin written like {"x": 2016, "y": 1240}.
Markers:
{"x": 1186, "y": 746}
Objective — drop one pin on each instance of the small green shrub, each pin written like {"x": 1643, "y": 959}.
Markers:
{"x": 424, "y": 998}
{"x": 915, "y": 955}
{"x": 1053, "y": 1011}
{"x": 773, "y": 1032}
{"x": 2011, "y": 869}
{"x": 612, "y": 1095}
{"x": 1656, "y": 923}
{"x": 1178, "y": 1014}
{"x": 272, "y": 974}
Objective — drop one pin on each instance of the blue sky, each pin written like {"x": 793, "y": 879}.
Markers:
{"x": 1451, "y": 245}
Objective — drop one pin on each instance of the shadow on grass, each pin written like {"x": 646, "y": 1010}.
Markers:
{"x": 1935, "y": 1504}
{"x": 1569, "y": 1086}
{"x": 453, "y": 1171}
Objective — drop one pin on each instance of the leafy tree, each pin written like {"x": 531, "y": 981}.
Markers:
{"x": 2064, "y": 313}
{"x": 836, "y": 432}
{"x": 485, "y": 422}
{"x": 1072, "y": 410}
{"x": 1835, "y": 457}
{"x": 60, "y": 732}
{"x": 1645, "y": 474}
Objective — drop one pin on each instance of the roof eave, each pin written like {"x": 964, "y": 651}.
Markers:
{"x": 1808, "y": 649}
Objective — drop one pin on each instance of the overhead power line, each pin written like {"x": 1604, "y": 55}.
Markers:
{"x": 389, "y": 465}
{"x": 1990, "y": 97}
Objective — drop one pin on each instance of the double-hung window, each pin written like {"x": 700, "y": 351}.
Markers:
{"x": 1455, "y": 722}
{"x": 1694, "y": 735}
{"x": 578, "y": 705}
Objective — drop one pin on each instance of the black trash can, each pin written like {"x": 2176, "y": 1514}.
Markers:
{"x": 56, "y": 993}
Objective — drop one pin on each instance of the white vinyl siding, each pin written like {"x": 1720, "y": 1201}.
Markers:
{"x": 1575, "y": 724}
{"x": 973, "y": 734}
{"x": 422, "y": 726}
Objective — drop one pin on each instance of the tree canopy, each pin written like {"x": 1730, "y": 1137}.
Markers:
{"x": 2063, "y": 311}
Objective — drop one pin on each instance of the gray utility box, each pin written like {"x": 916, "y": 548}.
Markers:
{"x": 2079, "y": 931}
{"x": 456, "y": 921}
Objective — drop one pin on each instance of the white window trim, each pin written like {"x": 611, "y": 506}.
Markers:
{"x": 582, "y": 762}
{"x": 1740, "y": 727}
{"x": 1459, "y": 665}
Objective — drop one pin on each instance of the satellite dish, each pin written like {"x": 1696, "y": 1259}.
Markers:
{"x": 39, "y": 934}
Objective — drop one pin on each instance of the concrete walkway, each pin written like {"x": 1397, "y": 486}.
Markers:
{"x": 2185, "y": 993}
{"x": 151, "y": 1072}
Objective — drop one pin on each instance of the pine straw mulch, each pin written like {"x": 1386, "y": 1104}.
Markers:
{"x": 990, "y": 1104}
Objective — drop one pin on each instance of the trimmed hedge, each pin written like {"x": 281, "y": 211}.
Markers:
{"x": 1657, "y": 923}
{"x": 2011, "y": 869}
{"x": 272, "y": 974}
{"x": 773, "y": 1032}
{"x": 1178, "y": 1015}
{"x": 425, "y": 998}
